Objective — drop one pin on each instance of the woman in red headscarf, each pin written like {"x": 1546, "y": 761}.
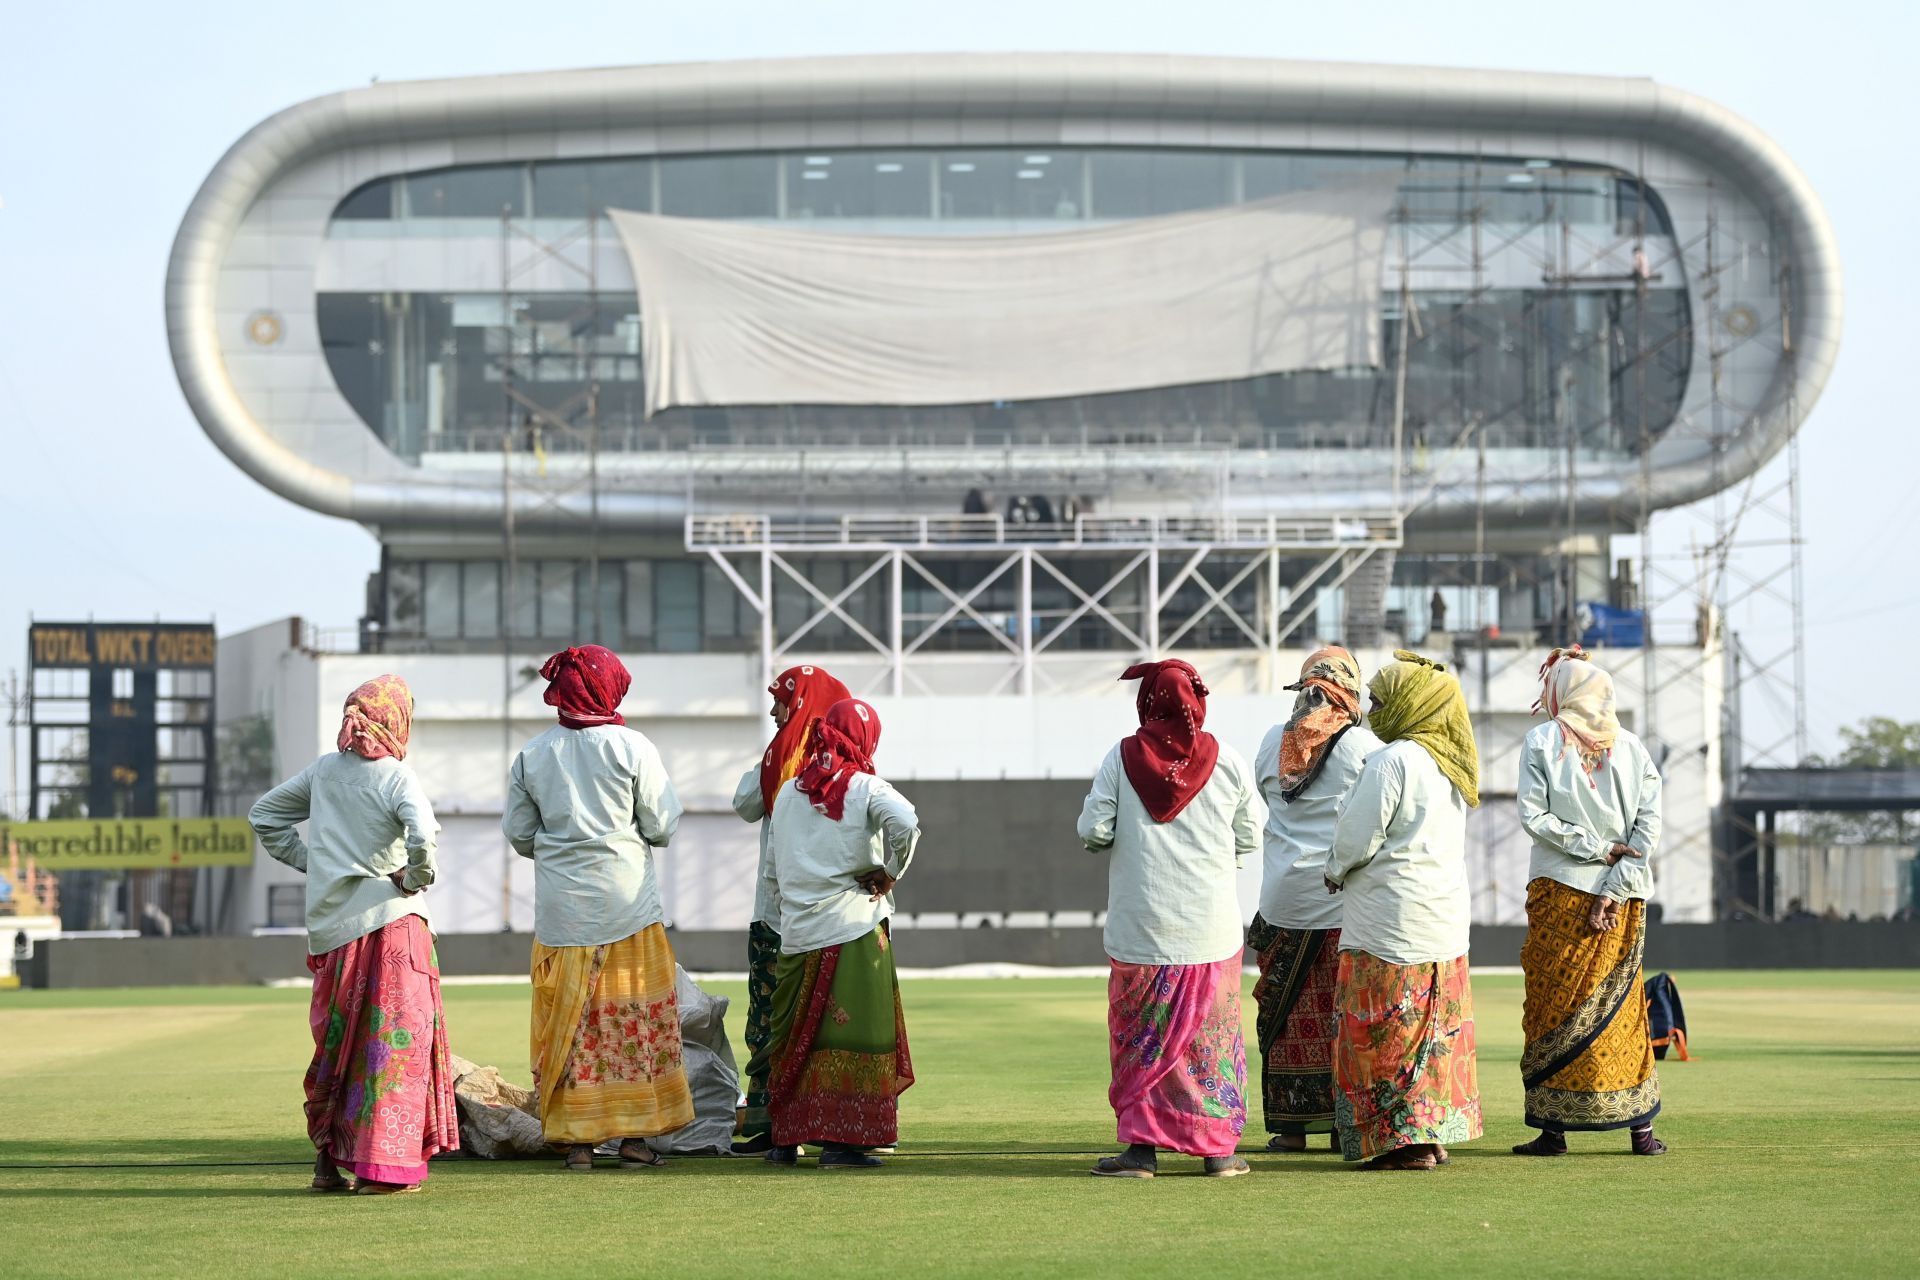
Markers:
{"x": 801, "y": 695}
{"x": 1177, "y": 812}
{"x": 379, "y": 1088}
{"x": 589, "y": 802}
{"x": 835, "y": 1058}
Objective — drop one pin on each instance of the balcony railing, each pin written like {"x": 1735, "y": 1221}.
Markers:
{"x": 720, "y": 532}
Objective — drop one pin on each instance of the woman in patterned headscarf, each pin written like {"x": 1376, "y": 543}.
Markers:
{"x": 1305, "y": 768}
{"x": 1590, "y": 798}
{"x": 379, "y": 1089}
{"x": 801, "y": 695}
{"x": 1403, "y": 1055}
{"x": 589, "y": 802}
{"x": 1176, "y": 811}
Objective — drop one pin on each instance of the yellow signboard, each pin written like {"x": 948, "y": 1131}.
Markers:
{"x": 113, "y": 844}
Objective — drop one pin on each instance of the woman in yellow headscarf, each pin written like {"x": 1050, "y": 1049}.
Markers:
{"x": 1403, "y": 1057}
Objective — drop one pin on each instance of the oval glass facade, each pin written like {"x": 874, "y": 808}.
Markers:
{"x": 1548, "y": 303}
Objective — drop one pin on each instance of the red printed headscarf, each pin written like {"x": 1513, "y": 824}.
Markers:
{"x": 842, "y": 744}
{"x": 586, "y": 684}
{"x": 1170, "y": 758}
{"x": 378, "y": 719}
{"x": 806, "y": 692}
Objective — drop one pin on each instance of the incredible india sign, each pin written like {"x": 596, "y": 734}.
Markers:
{"x": 114, "y": 844}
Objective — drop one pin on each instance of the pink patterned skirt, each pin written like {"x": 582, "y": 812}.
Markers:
{"x": 1179, "y": 1058}
{"x": 380, "y": 1091}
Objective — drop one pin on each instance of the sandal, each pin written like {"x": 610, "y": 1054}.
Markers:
{"x": 579, "y": 1159}
{"x": 1287, "y": 1142}
{"x": 367, "y": 1188}
{"x": 1401, "y": 1160}
{"x": 1137, "y": 1161}
{"x": 1547, "y": 1144}
{"x": 647, "y": 1158}
{"x": 326, "y": 1176}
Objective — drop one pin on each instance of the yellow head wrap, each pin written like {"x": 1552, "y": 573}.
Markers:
{"x": 1421, "y": 702}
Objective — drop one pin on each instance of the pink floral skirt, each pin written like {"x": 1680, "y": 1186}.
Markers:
{"x": 380, "y": 1090}
{"x": 1179, "y": 1058}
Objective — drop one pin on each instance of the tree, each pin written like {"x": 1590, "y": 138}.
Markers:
{"x": 1878, "y": 742}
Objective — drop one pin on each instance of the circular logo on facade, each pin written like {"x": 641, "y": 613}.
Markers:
{"x": 264, "y": 328}
{"x": 1741, "y": 322}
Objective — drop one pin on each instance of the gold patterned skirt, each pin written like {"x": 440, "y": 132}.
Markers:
{"x": 606, "y": 1041}
{"x": 1588, "y": 1063}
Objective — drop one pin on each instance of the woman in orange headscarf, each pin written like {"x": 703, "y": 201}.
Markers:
{"x": 379, "y": 1089}
{"x": 1305, "y": 766}
{"x": 801, "y": 695}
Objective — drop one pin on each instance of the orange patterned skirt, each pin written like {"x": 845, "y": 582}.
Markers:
{"x": 1588, "y": 1063}
{"x": 1404, "y": 1068}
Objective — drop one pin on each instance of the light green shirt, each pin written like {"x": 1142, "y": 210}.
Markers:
{"x": 766, "y": 889}
{"x": 1574, "y": 819}
{"x": 366, "y": 819}
{"x": 1172, "y": 892}
{"x": 589, "y": 806}
{"x": 1400, "y": 853}
{"x": 1298, "y": 835}
{"x": 816, "y": 860}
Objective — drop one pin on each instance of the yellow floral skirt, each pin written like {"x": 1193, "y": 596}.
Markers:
{"x": 606, "y": 1040}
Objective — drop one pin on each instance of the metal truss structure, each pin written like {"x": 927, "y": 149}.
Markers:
{"x": 1290, "y": 563}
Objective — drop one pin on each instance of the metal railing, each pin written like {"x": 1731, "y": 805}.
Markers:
{"x": 719, "y": 532}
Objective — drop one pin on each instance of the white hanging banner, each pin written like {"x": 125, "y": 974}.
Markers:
{"x": 740, "y": 314}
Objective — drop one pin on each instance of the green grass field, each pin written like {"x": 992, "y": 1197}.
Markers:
{"x": 1795, "y": 1136}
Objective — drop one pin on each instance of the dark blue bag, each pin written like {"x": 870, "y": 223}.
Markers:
{"x": 1666, "y": 1017}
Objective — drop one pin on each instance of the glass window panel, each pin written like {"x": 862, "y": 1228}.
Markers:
{"x": 371, "y": 202}
{"x": 353, "y": 338}
{"x": 1142, "y": 184}
{"x": 722, "y": 605}
{"x": 481, "y": 600}
{"x": 639, "y": 616}
{"x": 575, "y": 188}
{"x": 442, "y": 599}
{"x": 556, "y": 599}
{"x": 523, "y": 601}
{"x": 676, "y": 606}
{"x": 476, "y": 191}
{"x": 403, "y": 597}
{"x": 740, "y": 186}
{"x": 978, "y": 184}
{"x": 860, "y": 184}
{"x": 1265, "y": 174}
{"x": 601, "y": 626}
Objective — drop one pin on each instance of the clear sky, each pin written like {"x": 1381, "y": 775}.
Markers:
{"x": 115, "y": 504}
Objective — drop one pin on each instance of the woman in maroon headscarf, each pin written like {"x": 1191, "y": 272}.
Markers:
{"x": 589, "y": 802}
{"x": 1178, "y": 813}
{"x": 835, "y": 1058}
{"x": 379, "y": 1090}
{"x": 801, "y": 695}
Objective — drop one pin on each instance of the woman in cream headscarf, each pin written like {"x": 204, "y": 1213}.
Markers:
{"x": 1403, "y": 1055}
{"x": 1305, "y": 768}
{"x": 1590, "y": 798}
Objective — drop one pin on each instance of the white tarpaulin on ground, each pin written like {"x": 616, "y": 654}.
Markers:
{"x": 735, "y": 314}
